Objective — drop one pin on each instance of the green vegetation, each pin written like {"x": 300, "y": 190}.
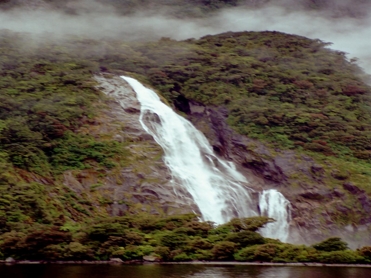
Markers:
{"x": 44, "y": 100}
{"x": 173, "y": 238}
{"x": 331, "y": 244}
{"x": 286, "y": 90}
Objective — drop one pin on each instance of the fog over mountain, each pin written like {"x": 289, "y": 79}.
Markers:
{"x": 345, "y": 23}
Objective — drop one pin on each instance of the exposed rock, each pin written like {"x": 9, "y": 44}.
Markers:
{"x": 352, "y": 188}
{"x": 339, "y": 175}
{"x": 116, "y": 261}
{"x": 317, "y": 170}
{"x": 337, "y": 193}
{"x": 362, "y": 198}
{"x": 70, "y": 181}
{"x": 10, "y": 260}
{"x": 151, "y": 258}
{"x": 182, "y": 104}
{"x": 315, "y": 194}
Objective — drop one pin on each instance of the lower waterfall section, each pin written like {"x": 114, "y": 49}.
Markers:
{"x": 273, "y": 204}
{"x": 218, "y": 189}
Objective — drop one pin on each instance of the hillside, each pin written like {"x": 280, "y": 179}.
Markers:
{"x": 289, "y": 93}
{"x": 291, "y": 113}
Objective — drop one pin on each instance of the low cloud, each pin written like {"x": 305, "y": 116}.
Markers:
{"x": 95, "y": 20}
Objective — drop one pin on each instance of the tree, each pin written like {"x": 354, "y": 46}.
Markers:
{"x": 331, "y": 244}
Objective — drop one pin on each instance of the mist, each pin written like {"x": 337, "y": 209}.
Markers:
{"x": 93, "y": 19}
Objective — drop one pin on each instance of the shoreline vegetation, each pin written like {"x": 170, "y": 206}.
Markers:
{"x": 175, "y": 239}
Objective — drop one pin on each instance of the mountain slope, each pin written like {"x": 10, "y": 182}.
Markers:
{"x": 290, "y": 112}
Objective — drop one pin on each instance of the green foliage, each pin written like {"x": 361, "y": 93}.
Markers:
{"x": 173, "y": 240}
{"x": 245, "y": 238}
{"x": 101, "y": 232}
{"x": 163, "y": 252}
{"x": 47, "y": 95}
{"x": 223, "y": 250}
{"x": 342, "y": 257}
{"x": 182, "y": 257}
{"x": 115, "y": 237}
{"x": 80, "y": 152}
{"x": 365, "y": 252}
{"x": 292, "y": 92}
{"x": 71, "y": 251}
{"x": 294, "y": 253}
{"x": 246, "y": 254}
{"x": 266, "y": 252}
{"x": 331, "y": 244}
{"x": 281, "y": 252}
{"x": 32, "y": 244}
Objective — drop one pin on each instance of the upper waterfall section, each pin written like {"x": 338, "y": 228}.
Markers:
{"x": 220, "y": 192}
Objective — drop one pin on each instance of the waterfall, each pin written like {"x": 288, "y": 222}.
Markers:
{"x": 218, "y": 189}
{"x": 273, "y": 204}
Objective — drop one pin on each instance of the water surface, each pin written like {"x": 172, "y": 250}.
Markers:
{"x": 178, "y": 271}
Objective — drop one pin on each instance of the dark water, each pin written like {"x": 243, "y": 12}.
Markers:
{"x": 175, "y": 271}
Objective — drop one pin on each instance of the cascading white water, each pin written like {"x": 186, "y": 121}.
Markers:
{"x": 220, "y": 192}
{"x": 273, "y": 204}
{"x": 214, "y": 185}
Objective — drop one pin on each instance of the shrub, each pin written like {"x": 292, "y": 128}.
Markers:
{"x": 266, "y": 252}
{"x": 103, "y": 231}
{"x": 294, "y": 253}
{"x": 343, "y": 257}
{"x": 182, "y": 257}
{"x": 32, "y": 244}
{"x": 331, "y": 244}
{"x": 365, "y": 252}
{"x": 246, "y": 254}
{"x": 198, "y": 243}
{"x": 245, "y": 238}
{"x": 173, "y": 240}
{"x": 163, "y": 252}
{"x": 223, "y": 250}
{"x": 130, "y": 252}
{"x": 77, "y": 251}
